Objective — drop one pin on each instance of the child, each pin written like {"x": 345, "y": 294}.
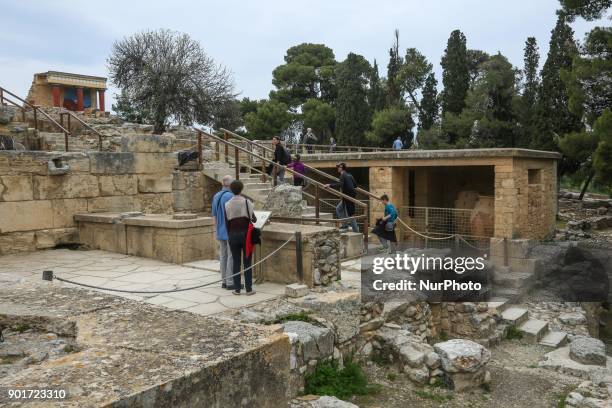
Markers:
{"x": 385, "y": 227}
{"x": 299, "y": 169}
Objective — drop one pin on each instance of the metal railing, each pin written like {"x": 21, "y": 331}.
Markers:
{"x": 225, "y": 144}
{"x": 69, "y": 114}
{"x": 306, "y": 148}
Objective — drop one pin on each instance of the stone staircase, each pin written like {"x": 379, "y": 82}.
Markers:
{"x": 533, "y": 330}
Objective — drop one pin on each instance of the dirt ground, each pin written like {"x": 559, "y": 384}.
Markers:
{"x": 515, "y": 382}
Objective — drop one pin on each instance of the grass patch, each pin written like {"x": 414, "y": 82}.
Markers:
{"x": 343, "y": 383}
{"x": 68, "y": 348}
{"x": 20, "y": 327}
{"x": 434, "y": 397}
{"x": 294, "y": 317}
{"x": 443, "y": 336}
{"x": 391, "y": 376}
{"x": 438, "y": 383}
{"x": 514, "y": 333}
{"x": 380, "y": 359}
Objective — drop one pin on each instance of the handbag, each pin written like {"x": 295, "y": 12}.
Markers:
{"x": 389, "y": 226}
{"x": 253, "y": 233}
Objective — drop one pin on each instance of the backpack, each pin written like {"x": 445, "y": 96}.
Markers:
{"x": 286, "y": 159}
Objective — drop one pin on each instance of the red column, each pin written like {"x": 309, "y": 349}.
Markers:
{"x": 101, "y": 100}
{"x": 79, "y": 93}
{"x": 55, "y": 91}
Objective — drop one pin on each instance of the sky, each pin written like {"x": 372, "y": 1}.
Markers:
{"x": 251, "y": 37}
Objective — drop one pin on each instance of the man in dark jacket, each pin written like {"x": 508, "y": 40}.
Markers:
{"x": 347, "y": 185}
{"x": 281, "y": 157}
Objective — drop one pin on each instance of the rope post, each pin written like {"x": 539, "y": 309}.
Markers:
{"x": 298, "y": 256}
{"x": 317, "y": 203}
{"x": 47, "y": 275}
{"x": 66, "y": 141}
{"x": 199, "y": 150}
{"x": 237, "y": 162}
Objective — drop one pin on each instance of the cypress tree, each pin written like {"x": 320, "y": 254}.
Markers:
{"x": 530, "y": 73}
{"x": 353, "y": 114}
{"x": 554, "y": 116}
{"x": 394, "y": 91}
{"x": 429, "y": 103}
{"x": 376, "y": 93}
{"x": 455, "y": 74}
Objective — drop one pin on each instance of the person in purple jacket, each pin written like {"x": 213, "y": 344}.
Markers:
{"x": 299, "y": 169}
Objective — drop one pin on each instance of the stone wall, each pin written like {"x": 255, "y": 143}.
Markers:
{"x": 41, "y": 191}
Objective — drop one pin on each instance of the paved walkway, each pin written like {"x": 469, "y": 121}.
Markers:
{"x": 118, "y": 271}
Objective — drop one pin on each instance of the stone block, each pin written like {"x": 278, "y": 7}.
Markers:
{"x": 182, "y": 180}
{"x": 16, "y": 242}
{"x": 188, "y": 200}
{"x": 67, "y": 186}
{"x": 155, "y": 203}
{"x": 154, "y": 184}
{"x": 588, "y": 350}
{"x": 51, "y": 238}
{"x": 13, "y": 162}
{"x": 16, "y": 188}
{"x": 104, "y": 236}
{"x": 119, "y": 184}
{"x": 111, "y": 163}
{"x": 316, "y": 342}
{"x": 148, "y": 143}
{"x": 296, "y": 290}
{"x": 65, "y": 209}
{"x": 153, "y": 163}
{"x": 25, "y": 215}
{"x": 113, "y": 204}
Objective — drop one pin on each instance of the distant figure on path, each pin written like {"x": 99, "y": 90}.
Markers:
{"x": 332, "y": 144}
{"x": 218, "y": 211}
{"x": 309, "y": 139}
{"x": 300, "y": 170}
{"x": 347, "y": 185}
{"x": 398, "y": 144}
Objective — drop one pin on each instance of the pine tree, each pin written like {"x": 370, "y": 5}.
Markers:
{"x": 455, "y": 74}
{"x": 353, "y": 114}
{"x": 394, "y": 90}
{"x": 376, "y": 93}
{"x": 554, "y": 116}
{"x": 429, "y": 103}
{"x": 531, "y": 84}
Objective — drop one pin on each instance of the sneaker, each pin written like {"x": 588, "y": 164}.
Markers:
{"x": 236, "y": 292}
{"x": 223, "y": 286}
{"x": 383, "y": 250}
{"x": 250, "y": 292}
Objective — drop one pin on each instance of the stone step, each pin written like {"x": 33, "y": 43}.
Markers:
{"x": 513, "y": 279}
{"x": 533, "y": 330}
{"x": 512, "y": 294}
{"x": 515, "y": 316}
{"x": 554, "y": 339}
{"x": 498, "y": 304}
{"x": 255, "y": 185}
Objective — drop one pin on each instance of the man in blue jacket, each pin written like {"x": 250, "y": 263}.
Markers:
{"x": 218, "y": 211}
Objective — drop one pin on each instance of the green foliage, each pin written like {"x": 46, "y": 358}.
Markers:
{"x": 413, "y": 73}
{"x": 352, "y": 110}
{"x": 587, "y": 9}
{"x": 320, "y": 116}
{"x": 69, "y": 348}
{"x": 553, "y": 114}
{"x": 294, "y": 317}
{"x": 271, "y": 118}
{"x": 394, "y": 88}
{"x": 602, "y": 161}
{"x": 475, "y": 58}
{"x": 376, "y": 91}
{"x": 455, "y": 74}
{"x": 513, "y": 333}
{"x": 380, "y": 359}
{"x": 390, "y": 123}
{"x": 526, "y": 103}
{"x": 126, "y": 109}
{"x": 308, "y": 73}
{"x": 392, "y": 376}
{"x": 433, "y": 396}
{"x": 430, "y": 108}
{"x": 21, "y": 327}
{"x": 329, "y": 379}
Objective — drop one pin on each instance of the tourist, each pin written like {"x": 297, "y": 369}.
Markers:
{"x": 299, "y": 171}
{"x": 218, "y": 211}
{"x": 385, "y": 227}
{"x": 282, "y": 157}
{"x": 347, "y": 185}
{"x": 310, "y": 138}
{"x": 398, "y": 144}
{"x": 332, "y": 144}
{"x": 239, "y": 213}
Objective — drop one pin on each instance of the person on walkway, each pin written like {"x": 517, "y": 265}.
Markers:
{"x": 239, "y": 213}
{"x": 310, "y": 138}
{"x": 347, "y": 186}
{"x": 385, "y": 227}
{"x": 299, "y": 169}
{"x": 282, "y": 157}
{"x": 398, "y": 144}
{"x": 332, "y": 144}
{"x": 218, "y": 212}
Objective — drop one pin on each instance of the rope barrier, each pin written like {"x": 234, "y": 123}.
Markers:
{"x": 176, "y": 290}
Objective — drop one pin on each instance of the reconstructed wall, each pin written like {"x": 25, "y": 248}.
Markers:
{"x": 37, "y": 206}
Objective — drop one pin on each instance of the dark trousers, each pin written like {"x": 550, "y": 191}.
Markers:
{"x": 239, "y": 252}
{"x": 298, "y": 181}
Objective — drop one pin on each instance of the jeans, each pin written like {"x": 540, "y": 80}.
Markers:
{"x": 342, "y": 213}
{"x": 225, "y": 260}
{"x": 388, "y": 244}
{"x": 239, "y": 252}
{"x": 281, "y": 174}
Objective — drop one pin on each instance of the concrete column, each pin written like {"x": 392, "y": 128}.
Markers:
{"x": 79, "y": 93}
{"x": 93, "y": 97}
{"x": 506, "y": 202}
{"x": 101, "y": 99}
{"x": 56, "y": 92}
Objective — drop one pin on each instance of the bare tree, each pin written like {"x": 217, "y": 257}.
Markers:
{"x": 168, "y": 75}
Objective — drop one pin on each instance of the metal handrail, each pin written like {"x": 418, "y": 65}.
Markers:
{"x": 84, "y": 124}
{"x": 314, "y": 170}
{"x": 339, "y": 147}
{"x": 35, "y": 109}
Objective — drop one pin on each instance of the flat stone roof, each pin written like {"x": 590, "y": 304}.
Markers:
{"x": 434, "y": 154}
